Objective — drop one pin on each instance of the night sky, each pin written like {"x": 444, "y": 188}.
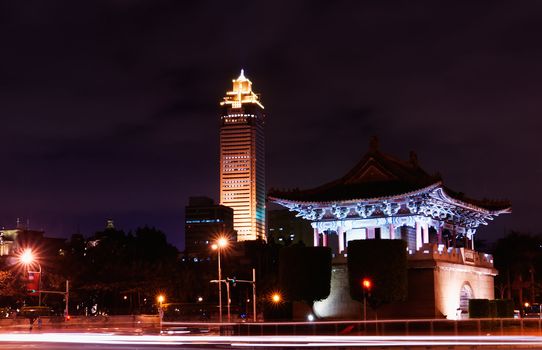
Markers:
{"x": 110, "y": 109}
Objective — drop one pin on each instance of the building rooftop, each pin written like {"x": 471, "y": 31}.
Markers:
{"x": 380, "y": 176}
{"x": 241, "y": 93}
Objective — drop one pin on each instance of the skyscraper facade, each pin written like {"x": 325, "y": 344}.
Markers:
{"x": 242, "y": 159}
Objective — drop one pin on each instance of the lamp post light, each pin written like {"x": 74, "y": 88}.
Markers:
{"x": 28, "y": 259}
{"x": 276, "y": 298}
{"x": 221, "y": 243}
{"x": 161, "y": 298}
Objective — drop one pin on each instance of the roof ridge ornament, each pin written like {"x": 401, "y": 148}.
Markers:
{"x": 374, "y": 143}
{"x": 413, "y": 157}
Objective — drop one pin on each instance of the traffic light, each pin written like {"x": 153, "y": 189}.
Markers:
{"x": 232, "y": 281}
{"x": 366, "y": 285}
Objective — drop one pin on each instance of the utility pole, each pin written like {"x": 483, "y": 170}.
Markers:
{"x": 219, "y": 289}
{"x": 254, "y": 294}
{"x": 531, "y": 271}
{"x": 229, "y": 300}
{"x": 220, "y": 244}
{"x": 67, "y": 297}
{"x": 253, "y": 282}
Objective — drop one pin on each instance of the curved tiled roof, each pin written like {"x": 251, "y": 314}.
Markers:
{"x": 377, "y": 175}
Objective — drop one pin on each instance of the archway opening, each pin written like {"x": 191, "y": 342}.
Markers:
{"x": 465, "y": 294}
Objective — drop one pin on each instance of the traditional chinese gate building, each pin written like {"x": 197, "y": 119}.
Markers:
{"x": 383, "y": 197}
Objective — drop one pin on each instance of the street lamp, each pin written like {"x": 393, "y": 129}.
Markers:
{"x": 28, "y": 259}
{"x": 220, "y": 244}
{"x": 160, "y": 298}
{"x": 276, "y": 298}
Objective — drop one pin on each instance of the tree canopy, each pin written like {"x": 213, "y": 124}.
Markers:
{"x": 305, "y": 273}
{"x": 113, "y": 263}
{"x": 518, "y": 258}
{"x": 384, "y": 263}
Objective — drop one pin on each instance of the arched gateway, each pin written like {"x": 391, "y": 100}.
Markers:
{"x": 465, "y": 294}
{"x": 383, "y": 197}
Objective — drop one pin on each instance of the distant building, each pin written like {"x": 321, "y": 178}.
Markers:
{"x": 242, "y": 159}
{"x": 110, "y": 224}
{"x": 204, "y": 222}
{"x": 15, "y": 239}
{"x": 283, "y": 226}
{"x": 384, "y": 197}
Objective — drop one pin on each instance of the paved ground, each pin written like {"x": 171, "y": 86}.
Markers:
{"x": 104, "y": 341}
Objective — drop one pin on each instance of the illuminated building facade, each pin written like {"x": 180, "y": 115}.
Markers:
{"x": 242, "y": 159}
{"x": 14, "y": 239}
{"x": 204, "y": 222}
{"x": 383, "y": 197}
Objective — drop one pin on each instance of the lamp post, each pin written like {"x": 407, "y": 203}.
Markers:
{"x": 221, "y": 243}
{"x": 228, "y": 301}
{"x": 28, "y": 259}
{"x": 160, "y": 298}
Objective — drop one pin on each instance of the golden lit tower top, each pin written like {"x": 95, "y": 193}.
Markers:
{"x": 241, "y": 93}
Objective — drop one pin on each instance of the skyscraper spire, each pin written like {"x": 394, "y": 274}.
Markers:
{"x": 241, "y": 93}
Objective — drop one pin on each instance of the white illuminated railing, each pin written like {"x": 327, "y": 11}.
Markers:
{"x": 456, "y": 255}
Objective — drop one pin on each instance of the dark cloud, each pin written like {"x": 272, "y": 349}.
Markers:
{"x": 110, "y": 108}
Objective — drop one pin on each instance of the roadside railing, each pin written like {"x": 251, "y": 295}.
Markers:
{"x": 404, "y": 327}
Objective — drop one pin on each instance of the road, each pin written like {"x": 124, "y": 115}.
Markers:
{"x": 104, "y": 341}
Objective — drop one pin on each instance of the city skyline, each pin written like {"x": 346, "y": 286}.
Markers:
{"x": 111, "y": 113}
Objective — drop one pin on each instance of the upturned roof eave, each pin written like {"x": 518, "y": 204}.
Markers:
{"x": 438, "y": 184}
{"x": 356, "y": 200}
{"x": 472, "y": 206}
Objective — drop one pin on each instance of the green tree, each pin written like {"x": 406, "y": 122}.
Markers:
{"x": 518, "y": 258}
{"x": 384, "y": 262}
{"x": 119, "y": 271}
{"x": 305, "y": 273}
{"x": 12, "y": 286}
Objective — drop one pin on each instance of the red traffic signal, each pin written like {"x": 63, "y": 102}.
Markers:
{"x": 366, "y": 284}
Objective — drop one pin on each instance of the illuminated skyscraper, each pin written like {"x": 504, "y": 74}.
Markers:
{"x": 242, "y": 163}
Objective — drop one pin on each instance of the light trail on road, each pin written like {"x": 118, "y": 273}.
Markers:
{"x": 271, "y": 341}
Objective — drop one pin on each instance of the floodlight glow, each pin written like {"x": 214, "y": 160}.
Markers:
{"x": 27, "y": 257}
{"x": 276, "y": 298}
{"x": 222, "y": 242}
